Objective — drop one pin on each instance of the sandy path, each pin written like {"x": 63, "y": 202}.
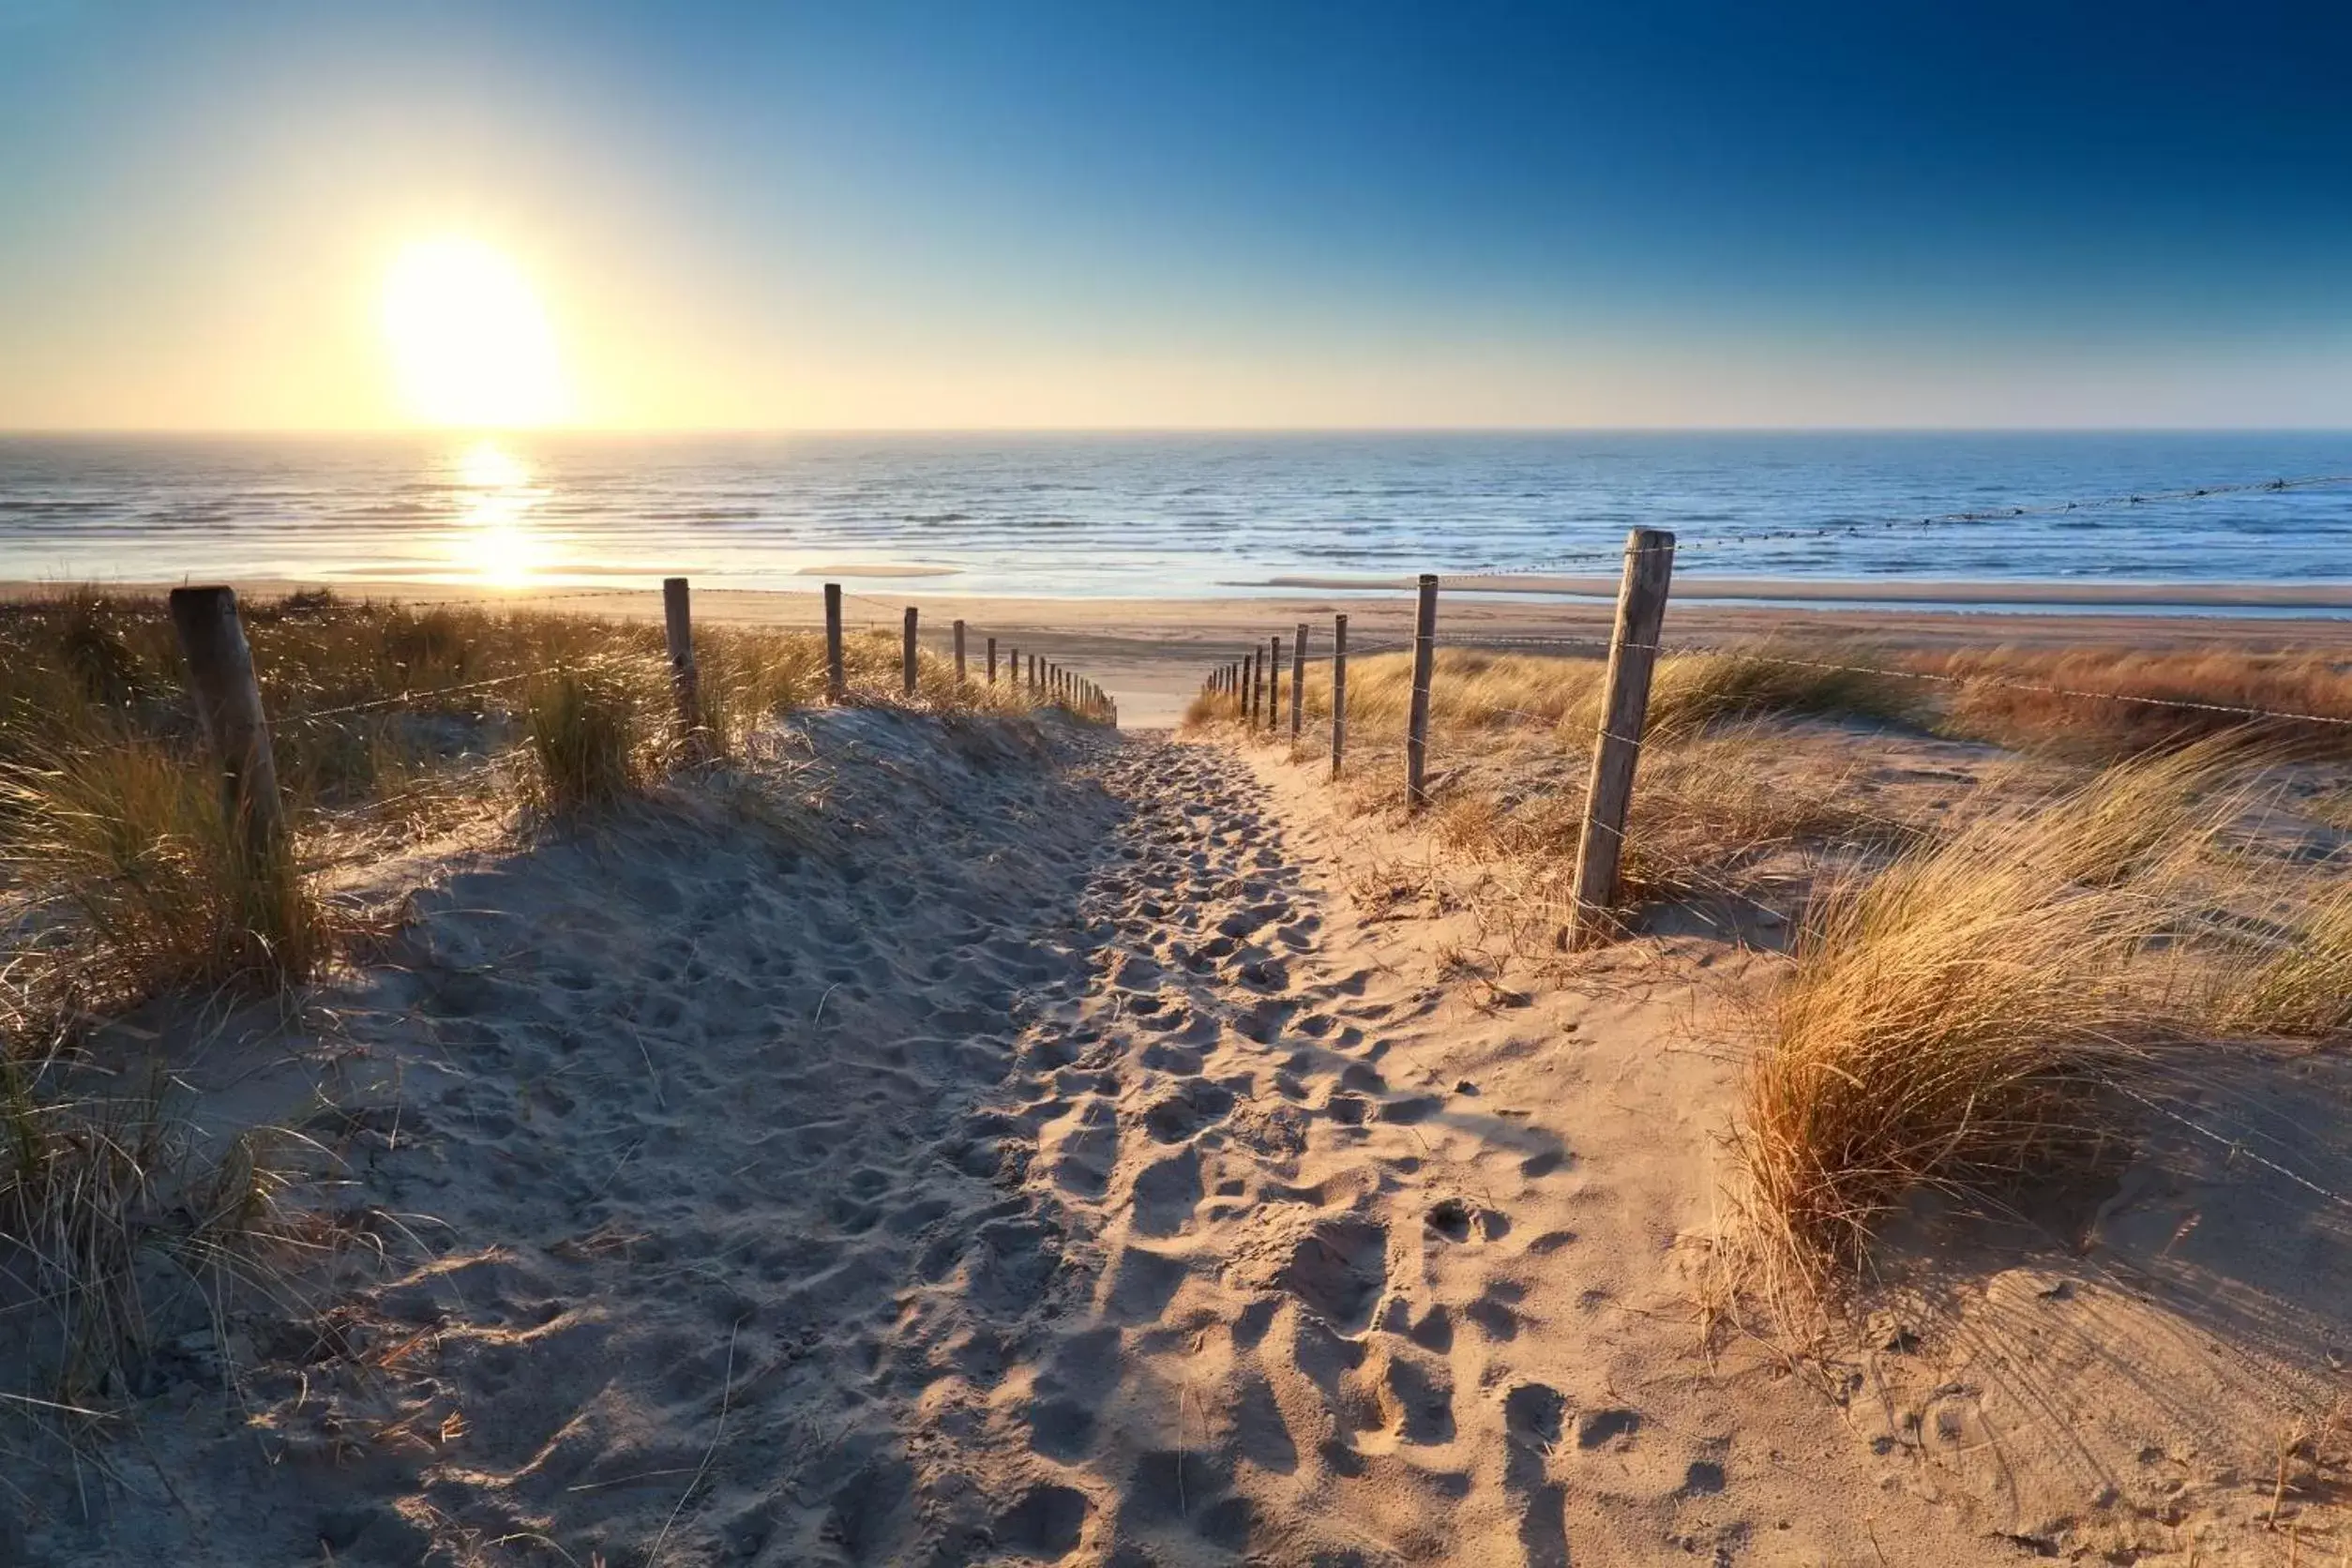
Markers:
{"x": 1359, "y": 1273}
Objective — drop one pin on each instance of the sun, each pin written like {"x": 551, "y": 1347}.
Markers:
{"x": 471, "y": 346}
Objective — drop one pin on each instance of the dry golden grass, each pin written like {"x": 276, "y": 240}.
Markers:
{"x": 590, "y": 735}
{"x": 2089, "y": 726}
{"x": 135, "y": 841}
{"x": 1691, "y": 691}
{"x": 1704, "y": 809}
{"x": 2302, "y": 985}
{"x": 106, "y": 1197}
{"x": 105, "y": 793}
{"x": 1510, "y": 737}
{"x": 1473, "y": 689}
{"x": 1469, "y": 690}
{"x": 1954, "y": 1021}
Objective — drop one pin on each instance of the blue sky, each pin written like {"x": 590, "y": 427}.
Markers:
{"x": 968, "y": 215}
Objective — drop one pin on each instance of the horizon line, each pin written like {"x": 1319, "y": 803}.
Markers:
{"x": 322, "y": 432}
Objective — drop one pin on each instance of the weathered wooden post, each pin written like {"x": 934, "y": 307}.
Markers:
{"x": 229, "y": 707}
{"x": 1417, "y": 726}
{"x": 1274, "y": 680}
{"x": 1338, "y": 691}
{"x": 1298, "y": 683}
{"x": 992, "y": 661}
{"x": 959, "y": 655}
{"x": 907, "y": 651}
{"x": 1641, "y": 600}
{"x": 837, "y": 678}
{"x": 1249, "y": 688}
{"x": 685, "y": 681}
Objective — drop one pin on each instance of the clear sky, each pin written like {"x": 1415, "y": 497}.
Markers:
{"x": 867, "y": 213}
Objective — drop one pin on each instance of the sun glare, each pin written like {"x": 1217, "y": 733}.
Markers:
{"x": 471, "y": 347}
{"x": 496, "y": 544}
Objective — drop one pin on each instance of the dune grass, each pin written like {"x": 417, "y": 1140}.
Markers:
{"x": 1689, "y": 692}
{"x": 135, "y": 841}
{"x": 107, "y": 807}
{"x": 112, "y": 1204}
{"x": 2303, "y": 985}
{"x": 1512, "y": 735}
{"x": 2170, "y": 685}
{"x": 1473, "y": 689}
{"x": 1957, "y": 1020}
{"x": 590, "y": 739}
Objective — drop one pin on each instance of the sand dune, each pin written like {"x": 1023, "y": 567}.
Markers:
{"x": 961, "y": 1142}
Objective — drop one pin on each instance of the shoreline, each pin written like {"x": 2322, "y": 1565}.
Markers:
{"x": 1150, "y": 654}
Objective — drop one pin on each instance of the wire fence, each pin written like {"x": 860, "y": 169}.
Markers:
{"x": 1251, "y": 684}
{"x": 237, "y": 723}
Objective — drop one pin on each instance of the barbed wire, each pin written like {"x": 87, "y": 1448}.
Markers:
{"x": 487, "y": 599}
{"x": 1896, "y": 672}
{"x": 402, "y": 698}
{"x": 1979, "y": 678}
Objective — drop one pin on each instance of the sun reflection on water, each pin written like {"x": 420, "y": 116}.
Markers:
{"x": 495, "y": 542}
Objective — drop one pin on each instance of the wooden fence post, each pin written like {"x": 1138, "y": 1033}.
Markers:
{"x": 907, "y": 657}
{"x": 1298, "y": 683}
{"x": 1338, "y": 691}
{"x": 1274, "y": 680}
{"x": 1251, "y": 683}
{"x": 1417, "y": 726}
{"x": 1641, "y": 600}
{"x": 685, "y": 681}
{"x": 229, "y": 706}
{"x": 959, "y": 655}
{"x": 837, "y": 679}
{"x": 992, "y": 661}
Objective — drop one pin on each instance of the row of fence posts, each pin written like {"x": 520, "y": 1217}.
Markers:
{"x": 1045, "y": 680}
{"x": 236, "y": 727}
{"x": 1254, "y": 682}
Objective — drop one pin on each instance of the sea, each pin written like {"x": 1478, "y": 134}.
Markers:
{"x": 1171, "y": 515}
